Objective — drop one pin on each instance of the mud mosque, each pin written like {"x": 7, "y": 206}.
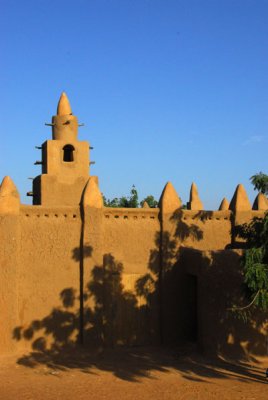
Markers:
{"x": 74, "y": 272}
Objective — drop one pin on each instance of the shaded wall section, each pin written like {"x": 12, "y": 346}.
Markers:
{"x": 220, "y": 331}
{"x": 48, "y": 276}
{"x": 201, "y": 279}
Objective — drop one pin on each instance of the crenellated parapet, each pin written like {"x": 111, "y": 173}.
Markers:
{"x": 9, "y": 197}
{"x": 194, "y": 203}
{"x": 224, "y": 204}
{"x": 92, "y": 196}
{"x": 169, "y": 200}
{"x": 240, "y": 201}
{"x": 260, "y": 202}
{"x": 207, "y": 230}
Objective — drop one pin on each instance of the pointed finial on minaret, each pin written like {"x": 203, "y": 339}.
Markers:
{"x": 64, "y": 107}
{"x": 64, "y": 124}
{"x": 240, "y": 201}
{"x": 169, "y": 200}
{"x": 92, "y": 196}
{"x": 260, "y": 203}
{"x": 9, "y": 197}
{"x": 194, "y": 203}
{"x": 224, "y": 205}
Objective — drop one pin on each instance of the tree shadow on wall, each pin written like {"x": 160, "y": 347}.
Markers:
{"x": 170, "y": 282}
{"x": 113, "y": 316}
{"x": 117, "y": 313}
{"x": 185, "y": 230}
{"x": 196, "y": 289}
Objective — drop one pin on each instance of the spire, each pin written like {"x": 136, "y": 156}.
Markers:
{"x": 145, "y": 205}
{"x": 240, "y": 201}
{"x": 64, "y": 124}
{"x": 261, "y": 202}
{"x": 92, "y": 196}
{"x": 9, "y": 197}
{"x": 224, "y": 204}
{"x": 64, "y": 107}
{"x": 194, "y": 203}
{"x": 169, "y": 200}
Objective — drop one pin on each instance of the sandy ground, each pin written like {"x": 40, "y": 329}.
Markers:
{"x": 136, "y": 373}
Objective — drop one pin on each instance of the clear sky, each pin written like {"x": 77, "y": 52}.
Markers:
{"x": 169, "y": 90}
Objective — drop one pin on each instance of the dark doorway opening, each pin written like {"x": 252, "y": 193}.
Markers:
{"x": 191, "y": 320}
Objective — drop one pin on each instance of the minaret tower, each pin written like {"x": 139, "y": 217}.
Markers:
{"x": 65, "y": 162}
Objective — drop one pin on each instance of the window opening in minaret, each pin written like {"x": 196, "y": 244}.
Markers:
{"x": 68, "y": 153}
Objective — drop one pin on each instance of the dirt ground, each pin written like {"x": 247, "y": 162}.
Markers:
{"x": 136, "y": 373}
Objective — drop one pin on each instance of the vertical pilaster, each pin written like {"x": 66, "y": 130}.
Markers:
{"x": 9, "y": 255}
{"x": 92, "y": 267}
{"x": 169, "y": 204}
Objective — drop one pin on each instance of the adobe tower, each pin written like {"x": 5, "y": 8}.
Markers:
{"x": 65, "y": 162}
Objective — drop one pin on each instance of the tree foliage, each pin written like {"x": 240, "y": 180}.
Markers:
{"x": 260, "y": 182}
{"x": 131, "y": 201}
{"x": 150, "y": 200}
{"x": 255, "y": 263}
{"x": 255, "y": 259}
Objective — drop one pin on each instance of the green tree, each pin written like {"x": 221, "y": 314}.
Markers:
{"x": 125, "y": 202}
{"x": 150, "y": 200}
{"x": 260, "y": 182}
{"x": 255, "y": 259}
{"x": 255, "y": 263}
{"x": 133, "y": 201}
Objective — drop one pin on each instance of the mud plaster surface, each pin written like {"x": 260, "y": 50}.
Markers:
{"x": 142, "y": 373}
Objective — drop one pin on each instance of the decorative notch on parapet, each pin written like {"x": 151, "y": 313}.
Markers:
{"x": 240, "y": 201}
{"x": 260, "y": 203}
{"x": 145, "y": 205}
{"x": 92, "y": 196}
{"x": 64, "y": 124}
{"x": 169, "y": 200}
{"x": 224, "y": 205}
{"x": 194, "y": 203}
{"x": 9, "y": 197}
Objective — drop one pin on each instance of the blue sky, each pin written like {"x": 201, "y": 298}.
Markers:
{"x": 169, "y": 90}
